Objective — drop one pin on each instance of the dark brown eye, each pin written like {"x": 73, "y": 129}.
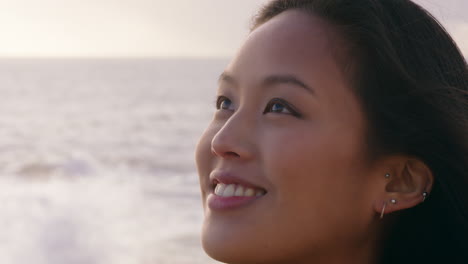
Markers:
{"x": 223, "y": 103}
{"x": 280, "y": 106}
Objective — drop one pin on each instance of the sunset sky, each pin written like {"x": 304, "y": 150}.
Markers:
{"x": 140, "y": 28}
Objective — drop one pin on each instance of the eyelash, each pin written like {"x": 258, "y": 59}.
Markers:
{"x": 285, "y": 104}
{"x": 272, "y": 102}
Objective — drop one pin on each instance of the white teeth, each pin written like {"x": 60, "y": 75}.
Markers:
{"x": 249, "y": 192}
{"x": 239, "y": 191}
{"x": 228, "y": 190}
{"x": 220, "y": 189}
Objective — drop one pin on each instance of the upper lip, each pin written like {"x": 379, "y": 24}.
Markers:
{"x": 231, "y": 178}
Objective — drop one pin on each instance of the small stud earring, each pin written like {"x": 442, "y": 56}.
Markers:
{"x": 393, "y": 201}
{"x": 387, "y": 175}
{"x": 424, "y": 194}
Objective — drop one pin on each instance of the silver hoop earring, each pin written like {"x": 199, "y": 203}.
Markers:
{"x": 383, "y": 210}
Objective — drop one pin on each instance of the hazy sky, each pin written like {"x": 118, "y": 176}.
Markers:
{"x": 151, "y": 27}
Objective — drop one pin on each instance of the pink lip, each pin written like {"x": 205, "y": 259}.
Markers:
{"x": 216, "y": 202}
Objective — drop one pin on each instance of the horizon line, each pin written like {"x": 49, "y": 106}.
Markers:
{"x": 117, "y": 57}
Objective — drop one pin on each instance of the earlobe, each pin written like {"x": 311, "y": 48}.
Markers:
{"x": 408, "y": 185}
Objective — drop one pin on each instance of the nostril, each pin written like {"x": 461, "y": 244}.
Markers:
{"x": 224, "y": 154}
{"x": 231, "y": 154}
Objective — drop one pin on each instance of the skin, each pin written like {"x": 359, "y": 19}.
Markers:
{"x": 323, "y": 195}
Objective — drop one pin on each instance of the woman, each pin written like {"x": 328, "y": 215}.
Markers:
{"x": 340, "y": 136}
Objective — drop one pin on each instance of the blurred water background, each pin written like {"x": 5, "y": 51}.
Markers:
{"x": 96, "y": 159}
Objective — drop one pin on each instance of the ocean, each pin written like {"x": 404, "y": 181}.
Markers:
{"x": 97, "y": 159}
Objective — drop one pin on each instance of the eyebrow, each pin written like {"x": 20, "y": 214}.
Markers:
{"x": 270, "y": 80}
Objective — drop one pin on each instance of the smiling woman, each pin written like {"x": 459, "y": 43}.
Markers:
{"x": 332, "y": 116}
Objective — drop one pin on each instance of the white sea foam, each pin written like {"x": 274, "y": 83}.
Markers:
{"x": 93, "y": 156}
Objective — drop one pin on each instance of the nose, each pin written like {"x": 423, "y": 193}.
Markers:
{"x": 235, "y": 139}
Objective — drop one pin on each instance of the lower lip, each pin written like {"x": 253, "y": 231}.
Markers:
{"x": 216, "y": 202}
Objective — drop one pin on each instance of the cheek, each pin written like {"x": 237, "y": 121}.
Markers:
{"x": 309, "y": 156}
{"x": 315, "y": 173}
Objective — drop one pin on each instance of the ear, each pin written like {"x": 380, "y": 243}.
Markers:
{"x": 409, "y": 179}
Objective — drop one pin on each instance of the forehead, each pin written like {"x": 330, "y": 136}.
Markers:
{"x": 294, "y": 28}
{"x": 292, "y": 42}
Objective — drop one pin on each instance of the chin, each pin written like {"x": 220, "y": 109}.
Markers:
{"x": 241, "y": 246}
{"x": 230, "y": 246}
{"x": 226, "y": 252}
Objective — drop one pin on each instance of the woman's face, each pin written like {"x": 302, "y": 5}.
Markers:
{"x": 285, "y": 150}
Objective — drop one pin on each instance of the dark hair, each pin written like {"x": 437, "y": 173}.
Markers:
{"x": 412, "y": 81}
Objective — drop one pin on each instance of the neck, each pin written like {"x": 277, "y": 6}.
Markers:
{"x": 363, "y": 252}
{"x": 363, "y": 255}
